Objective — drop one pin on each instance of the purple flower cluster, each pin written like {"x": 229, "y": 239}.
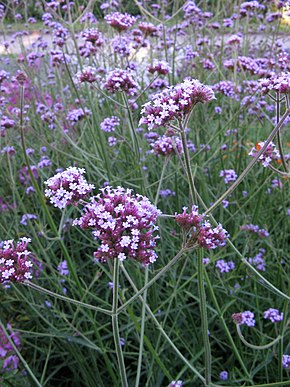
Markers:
{"x": 7, "y": 354}
{"x": 279, "y": 83}
{"x": 271, "y": 153}
{"x": 15, "y": 263}
{"x": 175, "y": 102}
{"x": 273, "y": 315}
{"x": 228, "y": 88}
{"x": 109, "y": 124}
{"x": 87, "y": 74}
{"x": 228, "y": 175}
{"x": 286, "y": 361}
{"x": 258, "y": 260}
{"x": 78, "y": 114}
{"x": 255, "y": 229}
{"x": 167, "y": 146}
{"x": 120, "y": 80}
{"x": 224, "y": 267}
{"x": 175, "y": 383}
{"x": 124, "y": 223}
{"x": 224, "y": 375}
{"x": 27, "y": 217}
{"x": 199, "y": 232}
{"x": 160, "y": 67}
{"x": 244, "y": 318}
{"x": 147, "y": 28}
{"x": 68, "y": 187}
{"x": 120, "y": 21}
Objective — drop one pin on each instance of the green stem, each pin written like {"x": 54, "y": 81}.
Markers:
{"x": 142, "y": 330}
{"x": 279, "y": 139}
{"x": 64, "y": 298}
{"x": 203, "y": 316}
{"x": 152, "y": 281}
{"x": 258, "y": 347}
{"x": 160, "y": 328}
{"x": 227, "y": 331}
{"x": 116, "y": 334}
{"x": 161, "y": 179}
{"x": 187, "y": 165}
{"x": 251, "y": 164}
{"x": 41, "y": 198}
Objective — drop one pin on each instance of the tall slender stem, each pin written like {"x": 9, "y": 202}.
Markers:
{"x": 279, "y": 139}
{"x": 203, "y": 316}
{"x": 187, "y": 165}
{"x": 116, "y": 326}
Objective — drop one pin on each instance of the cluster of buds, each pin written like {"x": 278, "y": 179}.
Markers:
{"x": 165, "y": 146}
{"x": 124, "y": 223}
{"x": 15, "y": 263}
{"x": 160, "y": 67}
{"x": 68, "y": 187}
{"x": 174, "y": 103}
{"x": 198, "y": 232}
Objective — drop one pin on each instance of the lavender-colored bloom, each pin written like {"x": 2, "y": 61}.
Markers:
{"x": 165, "y": 193}
{"x": 174, "y": 103}
{"x": 7, "y": 354}
{"x": 120, "y": 80}
{"x": 78, "y": 114}
{"x": 224, "y": 267}
{"x": 87, "y": 74}
{"x": 26, "y": 217}
{"x": 121, "y": 46}
{"x": 205, "y": 261}
{"x": 286, "y": 361}
{"x": 273, "y": 315}
{"x": 278, "y": 83}
{"x": 228, "y": 175}
{"x": 124, "y": 223}
{"x": 63, "y": 268}
{"x": 258, "y": 261}
{"x": 15, "y": 263}
{"x": 255, "y": 229}
{"x": 224, "y": 375}
{"x": 112, "y": 141}
{"x": 244, "y": 318}
{"x": 175, "y": 383}
{"x": 120, "y": 21}
{"x": 108, "y": 124}
{"x": 147, "y": 28}
{"x": 227, "y": 88}
{"x": 167, "y": 146}
{"x": 271, "y": 153}
{"x": 68, "y": 187}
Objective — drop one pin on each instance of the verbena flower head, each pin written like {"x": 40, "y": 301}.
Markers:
{"x": 286, "y": 361}
{"x": 120, "y": 21}
{"x": 278, "y": 83}
{"x": 228, "y": 175}
{"x": 159, "y": 66}
{"x": 199, "y": 232}
{"x": 255, "y": 229}
{"x": 15, "y": 263}
{"x": 109, "y": 124}
{"x": 175, "y": 102}
{"x": 271, "y": 153}
{"x": 224, "y": 267}
{"x": 224, "y": 375}
{"x": 68, "y": 187}
{"x": 244, "y": 318}
{"x": 120, "y": 80}
{"x": 273, "y": 315}
{"x": 124, "y": 223}
{"x": 167, "y": 146}
{"x": 175, "y": 383}
{"x": 7, "y": 354}
{"x": 258, "y": 260}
